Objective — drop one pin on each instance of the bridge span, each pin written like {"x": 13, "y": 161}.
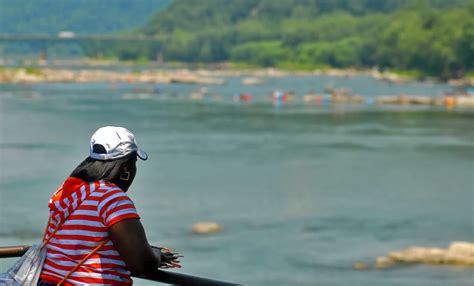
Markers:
{"x": 41, "y": 43}
{"x": 77, "y": 38}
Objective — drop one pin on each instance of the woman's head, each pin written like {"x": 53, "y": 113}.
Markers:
{"x": 113, "y": 156}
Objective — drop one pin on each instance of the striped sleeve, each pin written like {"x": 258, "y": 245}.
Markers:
{"x": 116, "y": 206}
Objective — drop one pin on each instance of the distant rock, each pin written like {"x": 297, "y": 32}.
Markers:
{"x": 383, "y": 262}
{"x": 252, "y": 81}
{"x": 389, "y": 76}
{"x": 206, "y": 227}
{"x": 464, "y": 101}
{"x": 359, "y": 265}
{"x": 458, "y": 253}
{"x": 191, "y": 79}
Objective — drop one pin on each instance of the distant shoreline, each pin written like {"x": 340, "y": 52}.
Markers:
{"x": 85, "y": 70}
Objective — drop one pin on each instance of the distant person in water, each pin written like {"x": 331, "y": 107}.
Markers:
{"x": 94, "y": 231}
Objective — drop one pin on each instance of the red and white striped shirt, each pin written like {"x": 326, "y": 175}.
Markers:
{"x": 86, "y": 212}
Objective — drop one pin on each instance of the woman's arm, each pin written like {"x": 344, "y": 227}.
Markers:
{"x": 130, "y": 240}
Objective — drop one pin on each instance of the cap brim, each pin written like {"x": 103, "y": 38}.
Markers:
{"x": 142, "y": 154}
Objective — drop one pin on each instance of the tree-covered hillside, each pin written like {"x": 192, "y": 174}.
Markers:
{"x": 432, "y": 37}
{"x": 425, "y": 37}
{"x": 80, "y": 16}
{"x": 198, "y": 15}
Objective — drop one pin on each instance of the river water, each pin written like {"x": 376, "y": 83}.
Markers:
{"x": 302, "y": 191}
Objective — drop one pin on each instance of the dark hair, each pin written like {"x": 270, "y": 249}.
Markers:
{"x": 91, "y": 170}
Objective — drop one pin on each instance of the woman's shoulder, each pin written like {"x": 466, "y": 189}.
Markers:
{"x": 113, "y": 204}
{"x": 105, "y": 189}
{"x": 105, "y": 186}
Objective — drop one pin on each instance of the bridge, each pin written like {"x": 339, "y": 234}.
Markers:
{"x": 41, "y": 42}
{"x": 71, "y": 37}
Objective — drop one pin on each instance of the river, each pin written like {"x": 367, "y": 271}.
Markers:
{"x": 302, "y": 191}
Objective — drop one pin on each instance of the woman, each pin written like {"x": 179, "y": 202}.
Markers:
{"x": 95, "y": 235}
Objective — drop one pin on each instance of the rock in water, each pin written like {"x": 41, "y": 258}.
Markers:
{"x": 383, "y": 262}
{"x": 206, "y": 227}
{"x": 359, "y": 265}
{"x": 458, "y": 253}
{"x": 462, "y": 248}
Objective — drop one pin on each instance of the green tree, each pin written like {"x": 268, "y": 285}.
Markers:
{"x": 261, "y": 53}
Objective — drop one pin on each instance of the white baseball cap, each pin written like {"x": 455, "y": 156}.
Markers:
{"x": 118, "y": 142}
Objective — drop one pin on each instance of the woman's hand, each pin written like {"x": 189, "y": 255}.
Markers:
{"x": 168, "y": 258}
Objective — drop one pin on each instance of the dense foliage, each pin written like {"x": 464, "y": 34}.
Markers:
{"x": 425, "y": 37}
{"x": 79, "y": 16}
{"x": 432, "y": 37}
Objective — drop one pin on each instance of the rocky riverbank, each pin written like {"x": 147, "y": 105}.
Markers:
{"x": 100, "y": 73}
{"x": 29, "y": 75}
